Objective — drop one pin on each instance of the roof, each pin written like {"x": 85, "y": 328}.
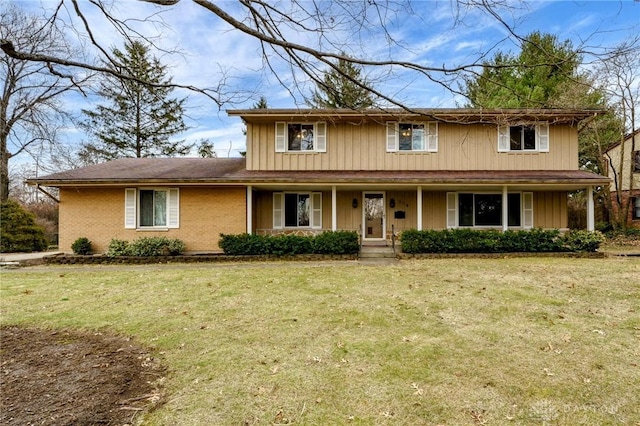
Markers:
{"x": 625, "y": 139}
{"x": 455, "y": 115}
{"x": 230, "y": 171}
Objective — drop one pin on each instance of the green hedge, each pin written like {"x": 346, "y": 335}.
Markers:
{"x": 329, "y": 242}
{"x": 149, "y": 246}
{"x": 493, "y": 241}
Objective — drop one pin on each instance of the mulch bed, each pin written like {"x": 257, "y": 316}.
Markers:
{"x": 61, "y": 377}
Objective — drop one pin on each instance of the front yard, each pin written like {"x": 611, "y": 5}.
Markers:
{"x": 442, "y": 341}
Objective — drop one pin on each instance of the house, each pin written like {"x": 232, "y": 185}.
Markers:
{"x": 623, "y": 167}
{"x": 372, "y": 171}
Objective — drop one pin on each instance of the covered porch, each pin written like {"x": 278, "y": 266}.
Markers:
{"x": 378, "y": 209}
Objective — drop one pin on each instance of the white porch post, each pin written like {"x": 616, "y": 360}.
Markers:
{"x": 249, "y": 209}
{"x": 591, "y": 223}
{"x": 419, "y": 208}
{"x": 505, "y": 208}
{"x": 334, "y": 209}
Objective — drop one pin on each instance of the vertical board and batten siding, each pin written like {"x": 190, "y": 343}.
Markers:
{"x": 363, "y": 147}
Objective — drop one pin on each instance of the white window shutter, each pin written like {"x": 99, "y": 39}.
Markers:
{"x": 130, "y": 204}
{"x": 452, "y": 210}
{"x": 281, "y": 136}
{"x": 527, "y": 210}
{"x": 542, "y": 134}
{"x": 316, "y": 210}
{"x": 503, "y": 138}
{"x": 432, "y": 137}
{"x": 321, "y": 137}
{"x": 173, "y": 208}
{"x": 278, "y": 210}
{"x": 392, "y": 136}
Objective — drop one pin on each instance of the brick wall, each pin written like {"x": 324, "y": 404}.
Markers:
{"x": 625, "y": 196}
{"x": 98, "y": 214}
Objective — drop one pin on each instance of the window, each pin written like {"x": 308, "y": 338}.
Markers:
{"x": 485, "y": 210}
{"x": 301, "y": 137}
{"x": 151, "y": 208}
{"x": 635, "y": 209}
{"x": 636, "y": 162}
{"x": 524, "y": 138}
{"x": 297, "y": 210}
{"x": 420, "y": 137}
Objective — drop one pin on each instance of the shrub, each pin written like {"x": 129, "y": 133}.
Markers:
{"x": 18, "y": 230}
{"x": 81, "y": 246}
{"x": 482, "y": 241}
{"x": 156, "y": 246}
{"x": 118, "y": 248}
{"x": 243, "y": 244}
{"x": 336, "y": 242}
{"x": 146, "y": 247}
{"x": 582, "y": 241}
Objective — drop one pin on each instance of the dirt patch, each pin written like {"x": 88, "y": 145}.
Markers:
{"x": 70, "y": 378}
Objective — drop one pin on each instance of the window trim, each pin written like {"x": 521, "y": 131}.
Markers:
{"x": 636, "y": 161}
{"x": 541, "y": 129}
{"x": 453, "y": 211}
{"x": 319, "y": 137}
{"x": 315, "y": 210}
{"x": 635, "y": 210}
{"x": 132, "y": 208}
{"x": 430, "y": 136}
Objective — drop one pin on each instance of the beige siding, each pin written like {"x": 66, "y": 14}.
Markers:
{"x": 98, "y": 214}
{"x": 434, "y": 210}
{"x": 550, "y": 210}
{"x": 363, "y": 147}
{"x": 620, "y": 166}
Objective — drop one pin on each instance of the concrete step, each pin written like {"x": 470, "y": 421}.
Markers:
{"x": 376, "y": 252}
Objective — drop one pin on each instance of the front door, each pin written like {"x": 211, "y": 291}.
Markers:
{"x": 373, "y": 220}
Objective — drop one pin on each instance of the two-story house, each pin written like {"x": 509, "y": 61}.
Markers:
{"x": 623, "y": 167}
{"x": 371, "y": 171}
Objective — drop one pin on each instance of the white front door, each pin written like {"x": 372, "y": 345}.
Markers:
{"x": 373, "y": 216}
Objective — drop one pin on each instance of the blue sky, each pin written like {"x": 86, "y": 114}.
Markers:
{"x": 433, "y": 33}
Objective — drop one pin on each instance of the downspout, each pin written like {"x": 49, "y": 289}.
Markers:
{"x": 39, "y": 188}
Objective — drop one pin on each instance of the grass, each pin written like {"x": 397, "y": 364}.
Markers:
{"x": 444, "y": 341}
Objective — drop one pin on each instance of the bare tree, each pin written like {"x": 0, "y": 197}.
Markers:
{"x": 324, "y": 27}
{"x": 620, "y": 77}
{"x": 30, "y": 110}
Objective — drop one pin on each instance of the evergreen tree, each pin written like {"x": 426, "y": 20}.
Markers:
{"x": 531, "y": 79}
{"x": 261, "y": 104}
{"x": 340, "y": 89}
{"x": 139, "y": 118}
{"x": 19, "y": 231}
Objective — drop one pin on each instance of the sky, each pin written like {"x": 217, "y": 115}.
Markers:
{"x": 208, "y": 52}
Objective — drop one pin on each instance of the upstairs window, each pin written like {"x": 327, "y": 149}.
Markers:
{"x": 524, "y": 138}
{"x": 301, "y": 137}
{"x": 636, "y": 162}
{"x": 417, "y": 137}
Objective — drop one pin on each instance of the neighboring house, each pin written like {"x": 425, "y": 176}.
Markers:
{"x": 308, "y": 171}
{"x": 623, "y": 167}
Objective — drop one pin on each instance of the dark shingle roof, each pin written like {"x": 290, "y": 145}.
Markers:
{"x": 128, "y": 171}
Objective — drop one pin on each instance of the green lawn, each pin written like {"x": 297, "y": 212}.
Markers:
{"x": 443, "y": 341}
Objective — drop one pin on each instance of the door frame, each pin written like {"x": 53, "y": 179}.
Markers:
{"x": 384, "y": 215}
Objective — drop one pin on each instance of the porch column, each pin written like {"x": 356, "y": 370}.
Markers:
{"x": 419, "y": 225}
{"x": 334, "y": 209}
{"x": 591, "y": 223}
{"x": 505, "y": 208}
{"x": 249, "y": 209}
